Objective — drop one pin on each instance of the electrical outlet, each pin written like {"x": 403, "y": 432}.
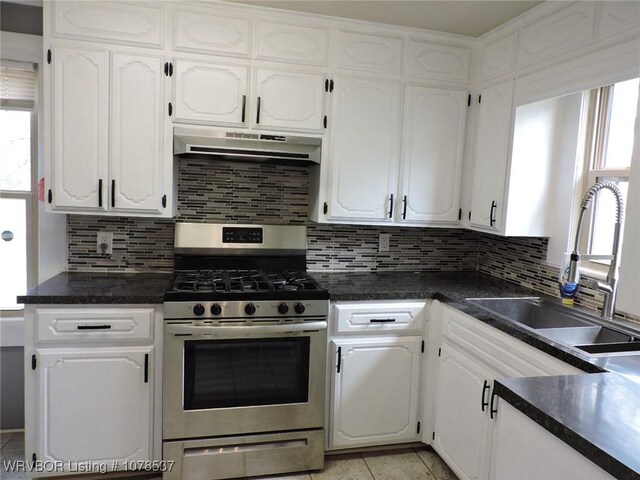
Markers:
{"x": 104, "y": 243}
{"x": 383, "y": 242}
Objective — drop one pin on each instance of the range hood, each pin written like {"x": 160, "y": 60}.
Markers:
{"x": 193, "y": 142}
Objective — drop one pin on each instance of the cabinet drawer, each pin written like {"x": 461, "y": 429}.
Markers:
{"x": 377, "y": 317}
{"x": 93, "y": 324}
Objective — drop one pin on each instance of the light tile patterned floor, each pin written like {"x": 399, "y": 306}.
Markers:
{"x": 405, "y": 464}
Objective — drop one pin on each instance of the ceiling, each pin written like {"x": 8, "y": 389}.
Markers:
{"x": 464, "y": 17}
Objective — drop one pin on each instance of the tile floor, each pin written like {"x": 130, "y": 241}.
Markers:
{"x": 404, "y": 464}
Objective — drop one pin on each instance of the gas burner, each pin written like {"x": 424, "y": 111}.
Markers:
{"x": 217, "y": 282}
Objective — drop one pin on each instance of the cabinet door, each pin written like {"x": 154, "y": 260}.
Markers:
{"x": 432, "y": 147}
{"x": 462, "y": 426}
{"x": 519, "y": 444}
{"x": 109, "y": 419}
{"x": 212, "y": 32}
{"x": 365, "y": 137}
{"x": 139, "y": 24}
{"x": 286, "y": 100}
{"x": 210, "y": 93}
{"x": 80, "y": 129}
{"x": 492, "y": 153}
{"x": 136, "y": 134}
{"x": 375, "y": 391}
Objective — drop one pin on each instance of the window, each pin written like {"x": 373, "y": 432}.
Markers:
{"x": 18, "y": 178}
{"x": 612, "y": 123}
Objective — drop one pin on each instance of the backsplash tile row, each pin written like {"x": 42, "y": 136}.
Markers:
{"x": 213, "y": 191}
{"x": 274, "y": 194}
{"x": 353, "y": 247}
{"x": 139, "y": 244}
{"x": 210, "y": 191}
{"x": 523, "y": 261}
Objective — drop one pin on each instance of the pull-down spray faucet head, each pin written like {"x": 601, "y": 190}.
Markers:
{"x": 570, "y": 286}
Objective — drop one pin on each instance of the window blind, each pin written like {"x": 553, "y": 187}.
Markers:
{"x": 18, "y": 85}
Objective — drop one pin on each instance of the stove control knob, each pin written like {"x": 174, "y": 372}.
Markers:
{"x": 299, "y": 308}
{"x": 283, "y": 308}
{"x": 198, "y": 310}
{"x": 250, "y": 309}
{"x": 216, "y": 309}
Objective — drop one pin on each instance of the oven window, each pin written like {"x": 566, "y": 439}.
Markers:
{"x": 240, "y": 373}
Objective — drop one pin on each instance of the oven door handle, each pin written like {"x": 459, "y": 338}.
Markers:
{"x": 243, "y": 329}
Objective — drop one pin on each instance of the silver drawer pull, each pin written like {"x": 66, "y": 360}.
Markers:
{"x": 382, "y": 320}
{"x": 215, "y": 450}
{"x": 94, "y": 327}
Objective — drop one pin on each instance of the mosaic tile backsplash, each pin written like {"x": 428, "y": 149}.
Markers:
{"x": 275, "y": 194}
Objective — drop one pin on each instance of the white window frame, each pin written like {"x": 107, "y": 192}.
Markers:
{"x": 598, "y": 115}
{"x": 31, "y": 201}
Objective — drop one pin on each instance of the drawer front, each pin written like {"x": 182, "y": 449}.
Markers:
{"x": 227, "y": 457}
{"x": 378, "y": 317}
{"x": 93, "y": 324}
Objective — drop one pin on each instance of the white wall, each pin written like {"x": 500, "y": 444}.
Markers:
{"x": 629, "y": 286}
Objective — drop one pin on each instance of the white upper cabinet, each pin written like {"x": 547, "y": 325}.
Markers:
{"x": 437, "y": 62}
{"x": 491, "y": 156}
{"x": 291, "y": 43}
{"x": 558, "y": 33}
{"x": 80, "y": 133}
{"x": 211, "y": 93}
{"x": 618, "y": 16}
{"x": 499, "y": 57}
{"x": 363, "y": 156}
{"x": 432, "y": 149}
{"x": 127, "y": 22}
{"x": 136, "y": 133}
{"x": 374, "y": 53}
{"x": 107, "y": 134}
{"x": 288, "y": 100}
{"x": 210, "y": 31}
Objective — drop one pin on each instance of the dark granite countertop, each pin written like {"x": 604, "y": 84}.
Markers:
{"x": 597, "y": 415}
{"x": 453, "y": 288}
{"x": 94, "y": 288}
{"x": 356, "y": 286}
{"x": 535, "y": 396}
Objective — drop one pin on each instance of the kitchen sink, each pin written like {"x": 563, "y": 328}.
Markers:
{"x": 533, "y": 312}
{"x": 556, "y": 323}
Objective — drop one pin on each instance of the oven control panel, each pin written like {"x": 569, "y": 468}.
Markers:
{"x": 242, "y": 235}
{"x": 239, "y": 309}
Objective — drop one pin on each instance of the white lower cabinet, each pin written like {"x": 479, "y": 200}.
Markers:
{"x": 462, "y": 428}
{"x": 470, "y": 356}
{"x": 373, "y": 373}
{"x": 523, "y": 450}
{"x": 375, "y": 394}
{"x": 92, "y": 389}
{"x": 104, "y": 392}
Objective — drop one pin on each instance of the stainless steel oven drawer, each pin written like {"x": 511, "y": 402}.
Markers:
{"x": 243, "y": 456}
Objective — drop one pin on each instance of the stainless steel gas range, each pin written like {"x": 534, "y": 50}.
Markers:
{"x": 244, "y": 354}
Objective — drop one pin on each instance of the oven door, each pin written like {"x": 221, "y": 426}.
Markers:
{"x": 229, "y": 380}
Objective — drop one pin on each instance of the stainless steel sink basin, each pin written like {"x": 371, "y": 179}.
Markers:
{"x": 561, "y": 325}
{"x": 586, "y": 335}
{"x": 532, "y": 312}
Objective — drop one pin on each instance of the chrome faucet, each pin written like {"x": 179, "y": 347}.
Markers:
{"x": 610, "y": 285}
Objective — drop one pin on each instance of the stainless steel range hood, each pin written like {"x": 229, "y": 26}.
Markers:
{"x": 194, "y": 142}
